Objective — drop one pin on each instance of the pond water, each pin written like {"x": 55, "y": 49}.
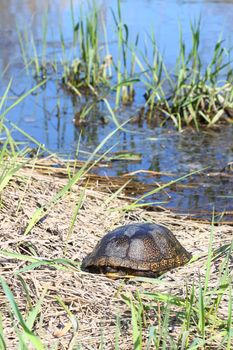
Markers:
{"x": 48, "y": 115}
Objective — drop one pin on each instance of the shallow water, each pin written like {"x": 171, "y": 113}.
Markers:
{"x": 48, "y": 115}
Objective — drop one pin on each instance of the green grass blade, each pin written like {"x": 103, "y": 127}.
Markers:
{"x": 32, "y": 316}
{"x": 4, "y": 97}
{"x": 41, "y": 212}
{"x": 156, "y": 190}
{"x": 2, "y": 341}
{"x": 21, "y": 98}
{"x": 137, "y": 338}
{"x": 16, "y": 312}
{"x": 201, "y": 303}
{"x": 210, "y": 254}
{"x": 230, "y": 321}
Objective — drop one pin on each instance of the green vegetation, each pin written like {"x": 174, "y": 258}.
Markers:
{"x": 197, "y": 95}
{"x": 86, "y": 71}
{"x": 192, "y": 93}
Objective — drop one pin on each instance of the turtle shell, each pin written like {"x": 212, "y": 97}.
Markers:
{"x": 138, "y": 249}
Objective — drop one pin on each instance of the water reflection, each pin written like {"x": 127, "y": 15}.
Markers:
{"x": 162, "y": 17}
{"x": 53, "y": 109}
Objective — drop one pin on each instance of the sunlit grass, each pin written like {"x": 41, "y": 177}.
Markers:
{"x": 197, "y": 314}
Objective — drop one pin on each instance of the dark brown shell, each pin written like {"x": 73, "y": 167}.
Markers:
{"x": 138, "y": 249}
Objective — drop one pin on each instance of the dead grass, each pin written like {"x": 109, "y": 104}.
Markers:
{"x": 94, "y": 300}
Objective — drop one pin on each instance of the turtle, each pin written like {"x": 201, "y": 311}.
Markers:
{"x": 138, "y": 249}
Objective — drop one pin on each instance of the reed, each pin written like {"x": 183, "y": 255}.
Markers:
{"x": 191, "y": 93}
{"x": 196, "y": 95}
{"x": 89, "y": 67}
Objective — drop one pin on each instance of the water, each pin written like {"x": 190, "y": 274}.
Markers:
{"x": 48, "y": 115}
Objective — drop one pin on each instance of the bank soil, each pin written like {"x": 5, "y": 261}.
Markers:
{"x": 94, "y": 301}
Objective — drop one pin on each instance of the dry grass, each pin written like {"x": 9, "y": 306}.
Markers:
{"x": 93, "y": 300}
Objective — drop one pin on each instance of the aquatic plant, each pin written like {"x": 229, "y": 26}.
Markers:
{"x": 89, "y": 69}
{"x": 191, "y": 93}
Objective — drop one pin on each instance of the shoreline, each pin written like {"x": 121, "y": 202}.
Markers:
{"x": 94, "y": 300}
